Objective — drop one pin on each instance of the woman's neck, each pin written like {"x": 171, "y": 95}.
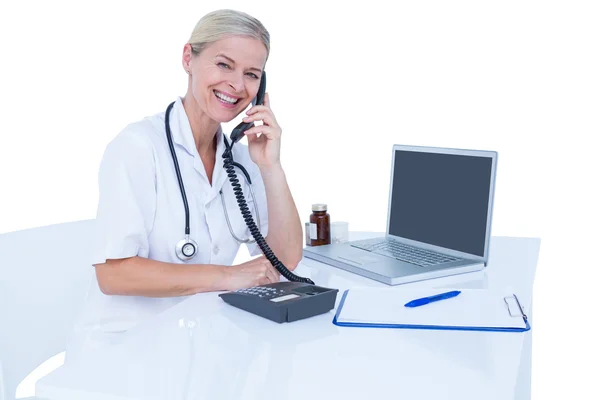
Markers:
{"x": 203, "y": 127}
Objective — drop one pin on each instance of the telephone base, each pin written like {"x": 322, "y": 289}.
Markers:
{"x": 283, "y": 301}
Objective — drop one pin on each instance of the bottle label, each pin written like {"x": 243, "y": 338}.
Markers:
{"x": 313, "y": 231}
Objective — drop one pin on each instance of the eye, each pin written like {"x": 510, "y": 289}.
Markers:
{"x": 223, "y": 65}
{"x": 252, "y": 75}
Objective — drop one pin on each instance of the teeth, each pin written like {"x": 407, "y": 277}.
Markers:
{"x": 225, "y": 98}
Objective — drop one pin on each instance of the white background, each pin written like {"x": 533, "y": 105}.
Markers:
{"x": 346, "y": 82}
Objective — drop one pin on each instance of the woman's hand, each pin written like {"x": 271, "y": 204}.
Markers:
{"x": 264, "y": 149}
{"x": 255, "y": 272}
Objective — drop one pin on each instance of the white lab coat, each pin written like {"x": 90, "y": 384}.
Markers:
{"x": 140, "y": 212}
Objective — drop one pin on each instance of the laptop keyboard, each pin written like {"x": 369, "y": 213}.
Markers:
{"x": 410, "y": 254}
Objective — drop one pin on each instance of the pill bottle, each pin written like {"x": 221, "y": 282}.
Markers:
{"x": 320, "y": 231}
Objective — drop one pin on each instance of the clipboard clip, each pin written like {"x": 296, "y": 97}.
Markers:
{"x": 521, "y": 312}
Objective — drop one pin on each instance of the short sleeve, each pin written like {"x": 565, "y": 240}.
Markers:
{"x": 127, "y": 198}
{"x": 261, "y": 199}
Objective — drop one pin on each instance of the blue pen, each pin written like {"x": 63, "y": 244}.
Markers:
{"x": 431, "y": 299}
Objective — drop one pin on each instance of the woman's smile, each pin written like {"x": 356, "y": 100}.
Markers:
{"x": 225, "y": 100}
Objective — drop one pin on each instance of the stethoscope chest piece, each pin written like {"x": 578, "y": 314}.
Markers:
{"x": 186, "y": 249}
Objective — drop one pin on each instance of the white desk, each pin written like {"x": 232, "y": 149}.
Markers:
{"x": 203, "y": 348}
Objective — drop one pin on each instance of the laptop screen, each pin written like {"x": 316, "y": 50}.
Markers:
{"x": 441, "y": 199}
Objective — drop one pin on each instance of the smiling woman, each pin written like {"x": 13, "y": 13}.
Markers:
{"x": 154, "y": 164}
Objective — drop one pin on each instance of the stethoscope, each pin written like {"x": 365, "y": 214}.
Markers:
{"x": 187, "y": 248}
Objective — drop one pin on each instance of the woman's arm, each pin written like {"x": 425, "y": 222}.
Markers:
{"x": 285, "y": 228}
{"x": 139, "y": 276}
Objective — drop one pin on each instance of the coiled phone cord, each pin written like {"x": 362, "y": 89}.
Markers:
{"x": 229, "y": 166}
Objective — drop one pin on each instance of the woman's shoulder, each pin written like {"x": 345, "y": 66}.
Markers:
{"x": 141, "y": 135}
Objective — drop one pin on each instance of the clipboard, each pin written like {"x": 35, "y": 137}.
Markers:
{"x": 472, "y": 310}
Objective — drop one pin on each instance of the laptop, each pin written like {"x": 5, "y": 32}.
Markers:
{"x": 438, "y": 223}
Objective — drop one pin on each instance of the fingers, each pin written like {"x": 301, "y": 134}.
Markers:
{"x": 264, "y": 281}
{"x": 268, "y": 277}
{"x": 261, "y": 115}
{"x": 270, "y": 128}
{"x": 274, "y": 275}
{"x": 268, "y": 132}
{"x": 265, "y": 106}
{"x": 264, "y": 272}
{"x": 269, "y": 271}
{"x": 258, "y": 108}
{"x": 254, "y": 138}
{"x": 256, "y": 272}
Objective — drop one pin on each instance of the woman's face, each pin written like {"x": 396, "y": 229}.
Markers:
{"x": 225, "y": 76}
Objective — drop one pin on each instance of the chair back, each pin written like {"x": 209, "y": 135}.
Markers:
{"x": 44, "y": 277}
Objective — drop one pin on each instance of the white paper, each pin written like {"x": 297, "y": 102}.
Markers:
{"x": 483, "y": 308}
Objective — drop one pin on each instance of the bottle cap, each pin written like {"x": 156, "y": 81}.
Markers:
{"x": 319, "y": 207}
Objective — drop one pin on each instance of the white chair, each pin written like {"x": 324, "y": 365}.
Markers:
{"x": 44, "y": 278}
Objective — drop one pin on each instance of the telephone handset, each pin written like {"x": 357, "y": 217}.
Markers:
{"x": 315, "y": 300}
{"x": 238, "y": 131}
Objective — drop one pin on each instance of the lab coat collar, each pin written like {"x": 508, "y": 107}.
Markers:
{"x": 182, "y": 135}
{"x": 181, "y": 129}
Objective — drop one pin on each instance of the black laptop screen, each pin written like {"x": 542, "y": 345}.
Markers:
{"x": 441, "y": 199}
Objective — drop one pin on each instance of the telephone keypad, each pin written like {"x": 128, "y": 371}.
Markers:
{"x": 261, "y": 291}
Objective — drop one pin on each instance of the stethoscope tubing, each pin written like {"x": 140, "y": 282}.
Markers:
{"x": 187, "y": 241}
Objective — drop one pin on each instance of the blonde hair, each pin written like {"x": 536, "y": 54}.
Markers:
{"x": 220, "y": 24}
